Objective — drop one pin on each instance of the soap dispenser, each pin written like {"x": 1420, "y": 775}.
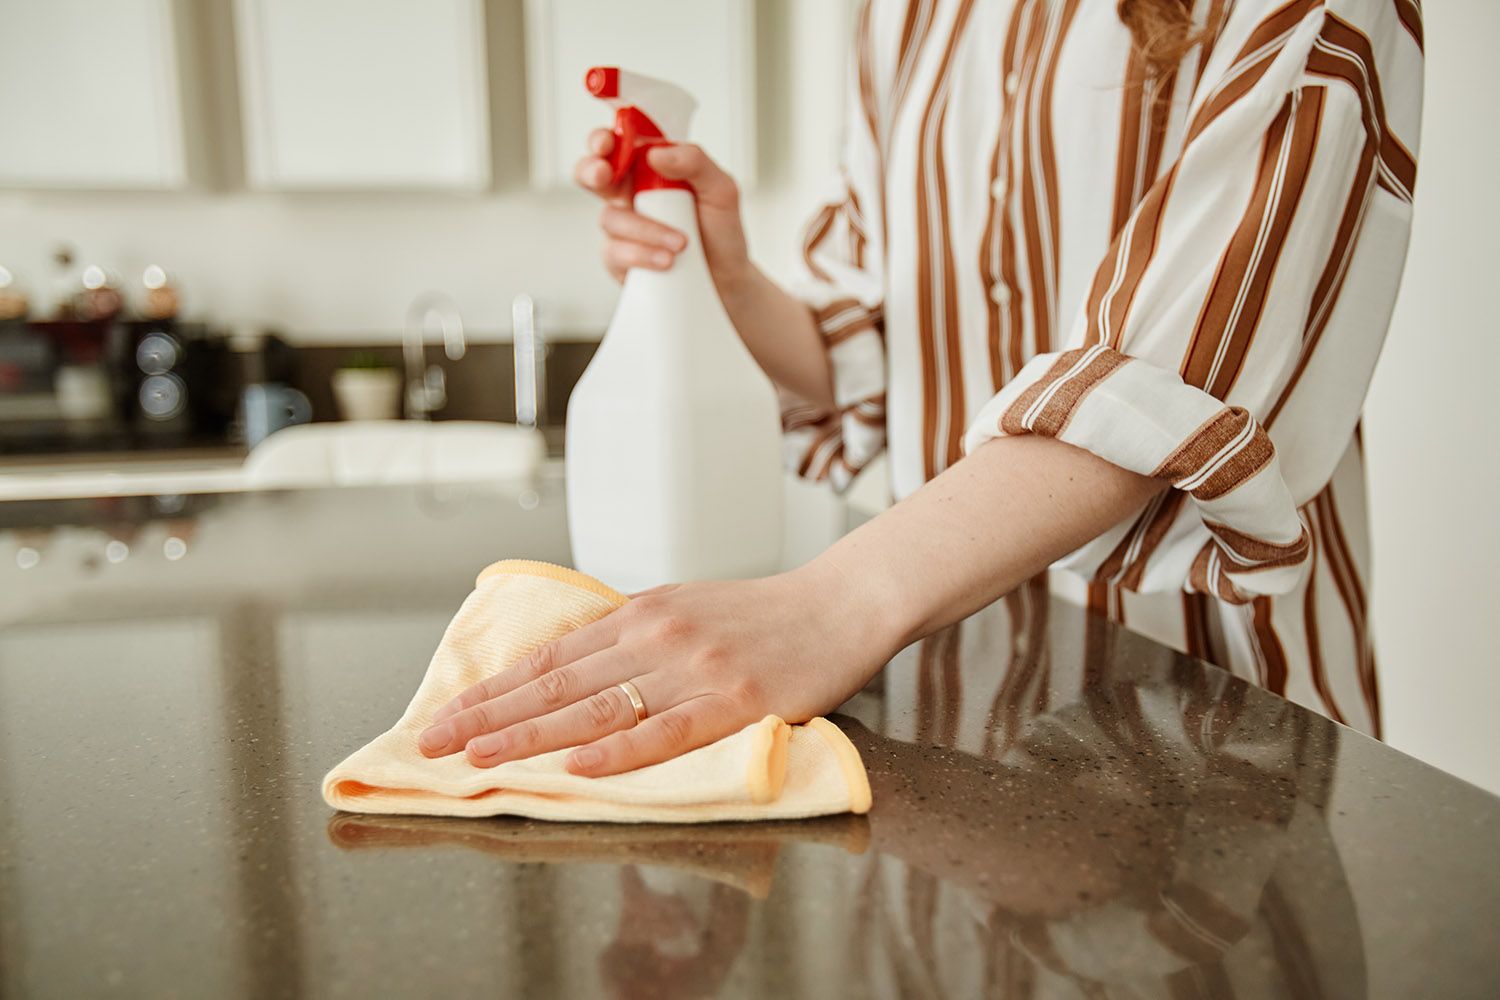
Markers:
{"x": 673, "y": 431}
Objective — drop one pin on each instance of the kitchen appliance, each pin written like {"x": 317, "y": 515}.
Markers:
{"x": 673, "y": 431}
{"x": 108, "y": 384}
{"x": 179, "y": 380}
{"x": 56, "y": 381}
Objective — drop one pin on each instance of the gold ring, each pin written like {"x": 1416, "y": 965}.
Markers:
{"x": 635, "y": 700}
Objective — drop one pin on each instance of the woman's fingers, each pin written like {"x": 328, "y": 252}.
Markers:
{"x": 687, "y": 162}
{"x": 620, "y": 256}
{"x": 636, "y": 241}
{"x": 549, "y": 656}
{"x": 692, "y": 724}
{"x": 621, "y": 223}
{"x": 599, "y": 714}
{"x": 552, "y": 690}
{"x": 593, "y": 172}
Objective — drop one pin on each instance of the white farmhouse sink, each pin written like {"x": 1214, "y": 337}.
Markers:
{"x": 387, "y": 452}
{"x": 368, "y": 453}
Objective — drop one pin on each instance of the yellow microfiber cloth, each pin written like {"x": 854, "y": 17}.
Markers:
{"x": 768, "y": 770}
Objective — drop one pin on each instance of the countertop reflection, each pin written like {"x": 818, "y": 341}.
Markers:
{"x": 1062, "y": 808}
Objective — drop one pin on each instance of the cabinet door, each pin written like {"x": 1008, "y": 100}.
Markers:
{"x": 371, "y": 94}
{"x": 90, "y": 95}
{"x": 706, "y": 46}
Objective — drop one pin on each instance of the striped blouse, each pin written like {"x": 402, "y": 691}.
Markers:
{"x": 1189, "y": 275}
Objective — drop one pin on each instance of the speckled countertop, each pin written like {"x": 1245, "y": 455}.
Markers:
{"x": 1061, "y": 808}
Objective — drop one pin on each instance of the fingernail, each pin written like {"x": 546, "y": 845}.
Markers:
{"x": 436, "y": 737}
{"x": 674, "y": 241}
{"x": 584, "y": 758}
{"x": 487, "y": 746}
{"x": 661, "y": 259}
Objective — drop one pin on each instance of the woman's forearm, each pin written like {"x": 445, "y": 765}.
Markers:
{"x": 781, "y": 335}
{"x": 979, "y": 530}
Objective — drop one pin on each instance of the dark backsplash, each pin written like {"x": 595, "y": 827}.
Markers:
{"x": 481, "y": 385}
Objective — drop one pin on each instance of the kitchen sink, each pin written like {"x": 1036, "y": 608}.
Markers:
{"x": 389, "y": 452}
{"x": 362, "y": 453}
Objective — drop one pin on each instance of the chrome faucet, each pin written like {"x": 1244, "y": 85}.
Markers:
{"x": 426, "y": 385}
{"x": 530, "y": 354}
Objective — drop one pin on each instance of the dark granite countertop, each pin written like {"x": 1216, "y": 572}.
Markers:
{"x": 1061, "y": 808}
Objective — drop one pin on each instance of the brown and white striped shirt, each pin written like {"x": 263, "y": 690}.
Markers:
{"x": 1189, "y": 275}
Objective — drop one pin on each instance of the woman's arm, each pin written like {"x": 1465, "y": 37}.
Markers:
{"x": 781, "y": 334}
{"x": 710, "y": 658}
{"x": 981, "y": 529}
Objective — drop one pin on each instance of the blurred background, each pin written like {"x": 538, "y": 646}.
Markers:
{"x": 221, "y": 217}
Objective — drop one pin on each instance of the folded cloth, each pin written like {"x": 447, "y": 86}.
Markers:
{"x": 768, "y": 770}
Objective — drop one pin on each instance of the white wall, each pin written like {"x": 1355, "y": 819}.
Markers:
{"x": 331, "y": 268}
{"x": 1434, "y": 464}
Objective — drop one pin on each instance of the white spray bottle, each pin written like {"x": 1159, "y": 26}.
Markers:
{"x": 673, "y": 432}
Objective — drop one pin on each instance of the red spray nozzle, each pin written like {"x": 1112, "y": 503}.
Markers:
{"x": 603, "y": 81}
{"x": 640, "y": 102}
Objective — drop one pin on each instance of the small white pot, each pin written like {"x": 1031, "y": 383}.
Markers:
{"x": 368, "y": 393}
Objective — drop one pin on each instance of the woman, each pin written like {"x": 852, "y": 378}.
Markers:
{"x": 1134, "y": 266}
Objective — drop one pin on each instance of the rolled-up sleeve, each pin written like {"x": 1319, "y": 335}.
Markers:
{"x": 843, "y": 286}
{"x": 1205, "y": 313}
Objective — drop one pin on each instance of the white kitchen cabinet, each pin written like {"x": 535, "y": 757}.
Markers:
{"x": 90, "y": 95}
{"x": 364, "y": 94}
{"x": 707, "y": 46}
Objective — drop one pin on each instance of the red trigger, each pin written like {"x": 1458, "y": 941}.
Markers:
{"x": 625, "y": 143}
{"x": 634, "y": 134}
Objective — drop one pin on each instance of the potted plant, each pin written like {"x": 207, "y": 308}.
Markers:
{"x": 367, "y": 388}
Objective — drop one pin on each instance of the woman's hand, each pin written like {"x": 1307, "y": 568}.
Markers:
{"x": 777, "y": 328}
{"x": 707, "y": 658}
{"x": 632, "y": 240}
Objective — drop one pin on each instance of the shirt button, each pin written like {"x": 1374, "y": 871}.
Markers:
{"x": 1012, "y": 83}
{"x": 999, "y": 189}
{"x": 1000, "y": 293}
